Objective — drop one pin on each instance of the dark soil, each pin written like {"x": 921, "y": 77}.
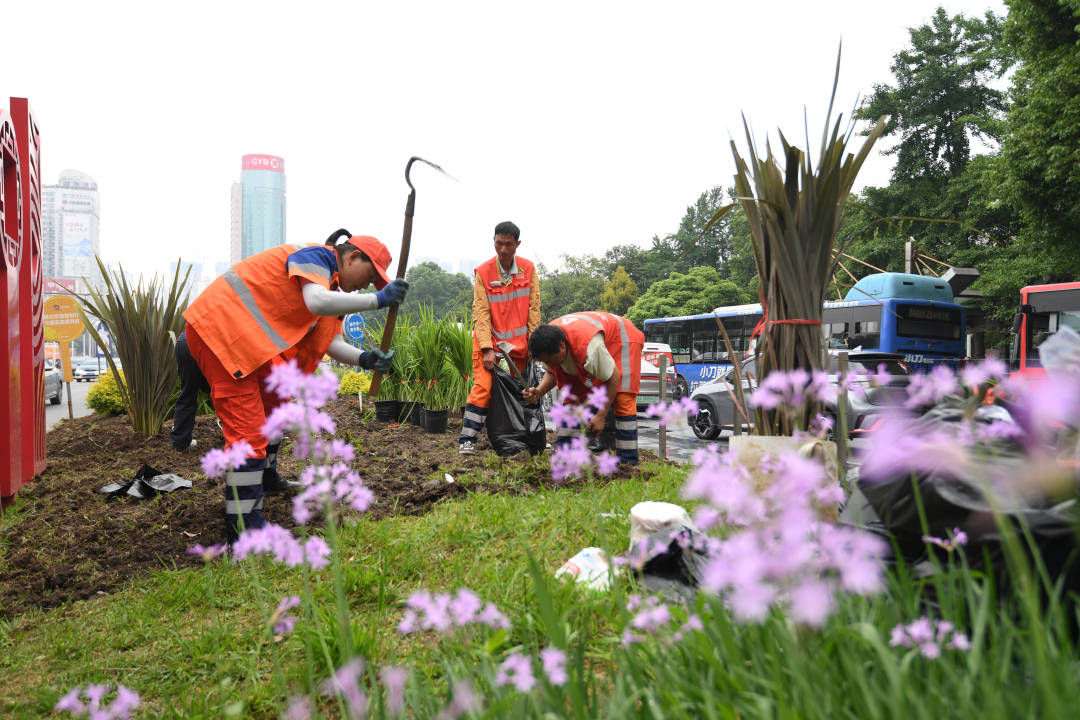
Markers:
{"x": 67, "y": 542}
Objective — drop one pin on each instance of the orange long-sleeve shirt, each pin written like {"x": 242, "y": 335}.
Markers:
{"x": 482, "y": 310}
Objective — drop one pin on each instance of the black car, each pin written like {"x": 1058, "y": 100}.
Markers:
{"x": 717, "y": 406}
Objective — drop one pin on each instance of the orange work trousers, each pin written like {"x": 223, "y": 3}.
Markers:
{"x": 480, "y": 395}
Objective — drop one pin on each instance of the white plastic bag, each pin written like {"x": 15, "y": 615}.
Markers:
{"x": 589, "y": 568}
{"x": 650, "y": 517}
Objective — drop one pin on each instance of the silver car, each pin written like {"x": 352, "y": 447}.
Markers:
{"x": 54, "y": 382}
{"x": 717, "y": 407}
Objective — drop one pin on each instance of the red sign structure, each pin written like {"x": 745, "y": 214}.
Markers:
{"x": 22, "y": 343}
{"x": 263, "y": 162}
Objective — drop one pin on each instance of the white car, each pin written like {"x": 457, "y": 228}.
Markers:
{"x": 54, "y": 382}
{"x": 649, "y": 392}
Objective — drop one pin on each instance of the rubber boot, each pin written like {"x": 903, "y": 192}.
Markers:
{"x": 272, "y": 482}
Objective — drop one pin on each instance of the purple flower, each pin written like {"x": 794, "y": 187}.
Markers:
{"x": 216, "y": 462}
{"x": 554, "y": 662}
{"x": 607, "y": 463}
{"x": 337, "y": 484}
{"x": 959, "y": 537}
{"x": 651, "y": 619}
{"x": 283, "y": 621}
{"x": 564, "y": 415}
{"x": 463, "y": 700}
{"x": 811, "y": 602}
{"x": 929, "y": 636}
{"x": 394, "y": 680}
{"x": 299, "y": 708}
{"x": 975, "y": 374}
{"x": 208, "y": 553}
{"x": 930, "y": 388}
{"x": 900, "y": 447}
{"x": 424, "y": 611}
{"x": 346, "y": 684}
{"x": 279, "y": 542}
{"x": 597, "y": 397}
{"x": 569, "y": 458}
{"x": 516, "y": 670}
{"x": 125, "y": 701}
{"x": 821, "y": 425}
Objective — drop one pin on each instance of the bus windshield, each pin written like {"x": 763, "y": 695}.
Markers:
{"x": 1042, "y": 325}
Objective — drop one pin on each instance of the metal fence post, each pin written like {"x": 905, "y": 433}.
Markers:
{"x": 663, "y": 398}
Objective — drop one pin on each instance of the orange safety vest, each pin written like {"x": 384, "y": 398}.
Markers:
{"x": 622, "y": 339}
{"x": 310, "y": 350}
{"x": 255, "y": 311}
{"x": 509, "y": 304}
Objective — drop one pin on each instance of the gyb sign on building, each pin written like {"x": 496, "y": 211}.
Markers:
{"x": 22, "y": 343}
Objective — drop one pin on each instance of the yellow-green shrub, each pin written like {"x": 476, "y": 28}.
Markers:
{"x": 354, "y": 382}
{"x": 104, "y": 398}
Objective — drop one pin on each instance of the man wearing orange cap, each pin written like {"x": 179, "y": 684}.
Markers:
{"x": 282, "y": 304}
{"x": 506, "y": 309}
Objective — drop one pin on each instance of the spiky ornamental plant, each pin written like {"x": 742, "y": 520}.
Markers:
{"x": 144, "y": 323}
{"x": 794, "y": 214}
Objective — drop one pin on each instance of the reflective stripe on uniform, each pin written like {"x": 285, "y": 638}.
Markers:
{"x": 241, "y": 507}
{"x": 244, "y": 479}
{"x": 244, "y": 293}
{"x": 310, "y": 269}
{"x": 624, "y": 383}
{"x": 514, "y": 295}
{"x": 510, "y": 333}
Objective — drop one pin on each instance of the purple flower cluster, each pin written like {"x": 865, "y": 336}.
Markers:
{"x": 334, "y": 483}
{"x": 930, "y": 636}
{"x": 282, "y": 620}
{"x": 208, "y": 553}
{"x": 216, "y": 462}
{"x": 959, "y": 538}
{"x": 782, "y": 553}
{"x": 463, "y": 700}
{"x": 394, "y": 680}
{"x": 125, "y": 701}
{"x": 653, "y": 616}
{"x": 279, "y": 542}
{"x": 516, "y": 670}
{"x": 932, "y": 387}
{"x": 442, "y": 612}
{"x": 345, "y": 683}
{"x": 792, "y": 389}
{"x": 673, "y": 412}
{"x": 566, "y": 413}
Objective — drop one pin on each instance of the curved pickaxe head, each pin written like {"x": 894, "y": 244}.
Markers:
{"x": 408, "y": 168}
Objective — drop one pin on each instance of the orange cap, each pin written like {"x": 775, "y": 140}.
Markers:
{"x": 377, "y": 253}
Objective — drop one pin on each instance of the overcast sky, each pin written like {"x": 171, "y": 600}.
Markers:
{"x": 589, "y": 124}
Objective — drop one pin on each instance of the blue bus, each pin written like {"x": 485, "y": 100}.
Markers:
{"x": 912, "y": 315}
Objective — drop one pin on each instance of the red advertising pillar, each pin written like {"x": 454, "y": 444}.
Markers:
{"x": 11, "y": 472}
{"x": 31, "y": 288}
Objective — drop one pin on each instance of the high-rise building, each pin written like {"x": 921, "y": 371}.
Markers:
{"x": 236, "y": 225}
{"x": 69, "y": 227}
{"x": 262, "y": 204}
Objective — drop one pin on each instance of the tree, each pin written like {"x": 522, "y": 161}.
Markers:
{"x": 941, "y": 101}
{"x": 1042, "y": 146}
{"x": 619, "y": 293}
{"x": 697, "y": 291}
{"x": 571, "y": 290}
{"x": 432, "y": 286}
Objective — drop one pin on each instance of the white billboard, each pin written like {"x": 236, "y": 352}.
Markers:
{"x": 78, "y": 247}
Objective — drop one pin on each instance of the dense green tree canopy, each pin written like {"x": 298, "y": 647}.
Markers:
{"x": 619, "y": 293}
{"x": 432, "y": 286}
{"x": 697, "y": 291}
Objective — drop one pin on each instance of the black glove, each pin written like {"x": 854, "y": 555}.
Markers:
{"x": 377, "y": 360}
{"x": 393, "y": 293}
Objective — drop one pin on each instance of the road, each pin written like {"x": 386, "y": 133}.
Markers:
{"x": 56, "y": 413}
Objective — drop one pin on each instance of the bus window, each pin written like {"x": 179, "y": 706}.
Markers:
{"x": 656, "y": 332}
{"x": 871, "y": 333}
{"x": 703, "y": 347}
{"x": 834, "y": 334}
{"x": 679, "y": 340}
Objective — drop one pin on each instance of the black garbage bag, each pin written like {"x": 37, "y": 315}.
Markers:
{"x": 147, "y": 483}
{"x": 890, "y": 507}
{"x": 674, "y": 563}
{"x": 512, "y": 424}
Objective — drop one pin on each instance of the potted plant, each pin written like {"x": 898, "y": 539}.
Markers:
{"x": 389, "y": 406}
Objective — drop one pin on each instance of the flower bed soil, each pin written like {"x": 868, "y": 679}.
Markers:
{"x": 66, "y": 542}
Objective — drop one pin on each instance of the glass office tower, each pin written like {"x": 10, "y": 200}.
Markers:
{"x": 262, "y": 180}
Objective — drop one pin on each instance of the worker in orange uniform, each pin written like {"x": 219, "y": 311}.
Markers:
{"x": 586, "y": 349}
{"x": 282, "y": 304}
{"x": 506, "y": 309}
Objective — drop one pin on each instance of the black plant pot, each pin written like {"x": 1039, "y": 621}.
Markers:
{"x": 414, "y": 413}
{"x": 435, "y": 420}
{"x": 387, "y": 410}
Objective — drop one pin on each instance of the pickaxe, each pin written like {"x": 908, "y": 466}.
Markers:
{"x": 403, "y": 262}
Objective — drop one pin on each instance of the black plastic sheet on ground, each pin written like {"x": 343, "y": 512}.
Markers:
{"x": 513, "y": 425}
{"x": 147, "y": 483}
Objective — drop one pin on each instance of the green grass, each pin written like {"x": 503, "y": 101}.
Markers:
{"x": 196, "y": 643}
{"x": 193, "y": 642}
